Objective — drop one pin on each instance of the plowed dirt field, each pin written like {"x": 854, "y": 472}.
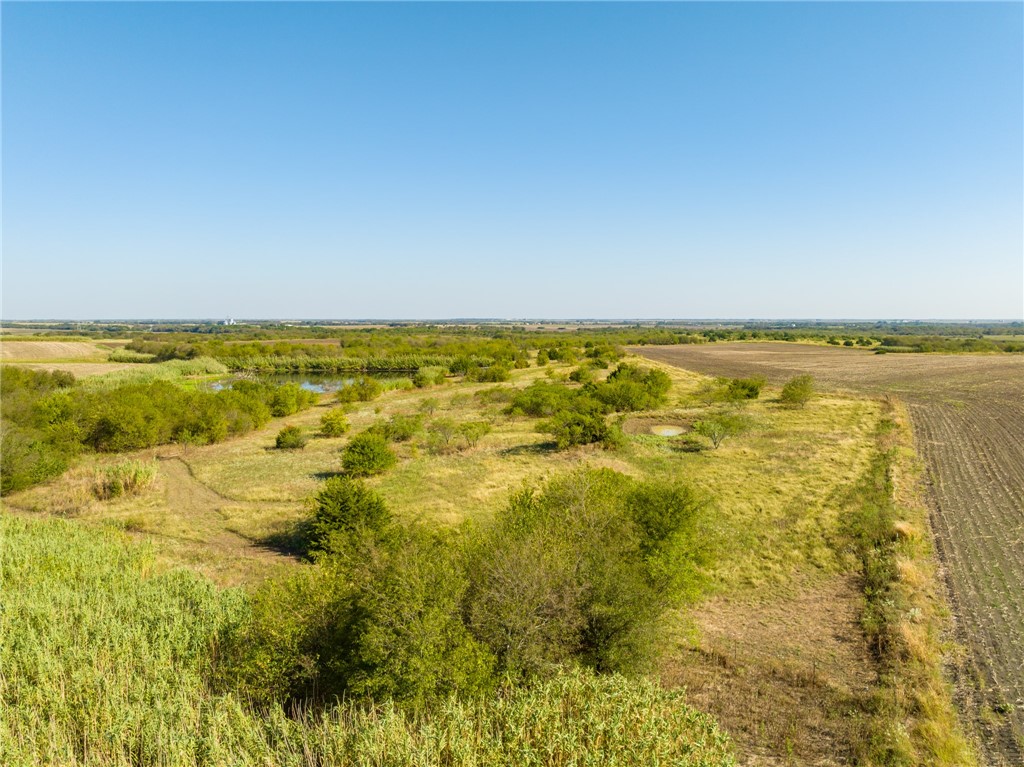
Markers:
{"x": 968, "y": 418}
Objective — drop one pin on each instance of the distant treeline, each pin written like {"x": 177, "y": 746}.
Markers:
{"x": 397, "y": 348}
{"x": 944, "y": 344}
{"x": 46, "y": 419}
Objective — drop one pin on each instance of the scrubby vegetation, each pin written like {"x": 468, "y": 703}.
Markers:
{"x": 576, "y": 416}
{"x": 574, "y": 574}
{"x": 50, "y": 418}
{"x": 459, "y": 628}
{"x": 362, "y": 389}
{"x": 135, "y": 682}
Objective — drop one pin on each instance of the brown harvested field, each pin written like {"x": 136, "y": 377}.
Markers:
{"x": 17, "y": 351}
{"x": 968, "y": 419}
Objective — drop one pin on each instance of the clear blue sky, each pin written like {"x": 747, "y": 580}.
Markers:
{"x": 513, "y": 160}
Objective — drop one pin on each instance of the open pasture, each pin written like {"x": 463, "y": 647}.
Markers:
{"x": 968, "y": 420}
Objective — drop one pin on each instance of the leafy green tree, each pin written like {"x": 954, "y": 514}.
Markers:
{"x": 717, "y": 428}
{"x": 474, "y": 431}
{"x": 630, "y": 388}
{"x": 367, "y": 455}
{"x": 409, "y": 642}
{"x": 443, "y": 431}
{"x": 579, "y": 572}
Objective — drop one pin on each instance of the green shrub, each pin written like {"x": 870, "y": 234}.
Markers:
{"x": 334, "y": 423}
{"x": 492, "y": 374}
{"x": 367, "y": 455}
{"x": 541, "y": 400}
{"x": 441, "y": 434}
{"x": 474, "y": 431}
{"x": 27, "y": 457}
{"x": 361, "y": 389}
{"x": 583, "y": 374}
{"x": 630, "y": 388}
{"x": 798, "y": 391}
{"x": 344, "y": 509}
{"x": 290, "y": 398}
{"x": 125, "y": 478}
{"x": 581, "y": 572}
{"x": 429, "y": 376}
{"x": 398, "y": 428}
{"x": 738, "y": 389}
{"x": 571, "y": 427}
{"x": 409, "y": 642}
{"x": 291, "y": 438}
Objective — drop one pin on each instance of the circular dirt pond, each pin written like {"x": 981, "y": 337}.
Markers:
{"x": 667, "y": 430}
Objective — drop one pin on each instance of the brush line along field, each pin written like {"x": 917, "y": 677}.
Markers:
{"x": 968, "y": 420}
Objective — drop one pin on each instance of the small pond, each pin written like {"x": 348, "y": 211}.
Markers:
{"x": 665, "y": 430}
{"x": 316, "y": 382}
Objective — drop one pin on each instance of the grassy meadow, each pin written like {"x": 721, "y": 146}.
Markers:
{"x": 771, "y": 642}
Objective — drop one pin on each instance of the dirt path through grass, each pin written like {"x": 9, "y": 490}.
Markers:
{"x": 202, "y": 506}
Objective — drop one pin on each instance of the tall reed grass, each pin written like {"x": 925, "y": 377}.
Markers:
{"x": 126, "y": 478}
{"x": 172, "y": 370}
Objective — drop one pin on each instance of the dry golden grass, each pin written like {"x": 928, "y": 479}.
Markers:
{"x": 44, "y": 351}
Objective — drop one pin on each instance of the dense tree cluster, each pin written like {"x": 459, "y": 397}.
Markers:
{"x": 48, "y": 418}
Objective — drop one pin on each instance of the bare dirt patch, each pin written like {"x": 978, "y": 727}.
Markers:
{"x": 968, "y": 419}
{"x": 659, "y": 426}
{"x": 788, "y": 678}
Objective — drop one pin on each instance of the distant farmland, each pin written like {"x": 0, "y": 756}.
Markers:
{"x": 968, "y": 418}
